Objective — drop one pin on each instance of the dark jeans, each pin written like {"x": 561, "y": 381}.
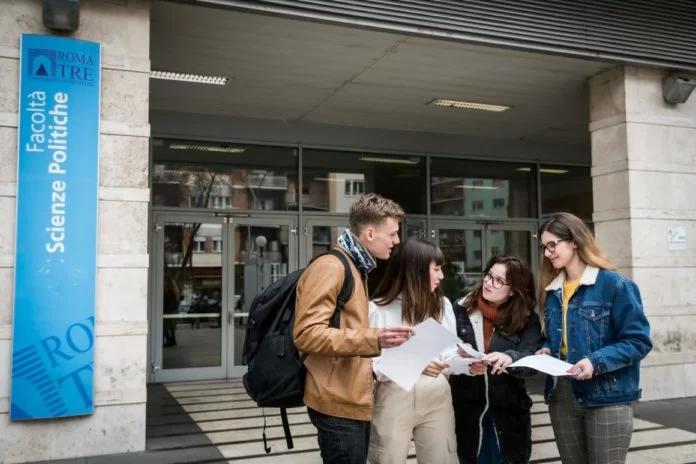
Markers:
{"x": 342, "y": 441}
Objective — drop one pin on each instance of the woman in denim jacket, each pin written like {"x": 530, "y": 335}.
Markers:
{"x": 593, "y": 318}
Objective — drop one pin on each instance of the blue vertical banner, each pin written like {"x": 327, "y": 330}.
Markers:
{"x": 56, "y": 242}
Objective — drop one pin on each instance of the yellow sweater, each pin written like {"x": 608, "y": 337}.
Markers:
{"x": 568, "y": 291}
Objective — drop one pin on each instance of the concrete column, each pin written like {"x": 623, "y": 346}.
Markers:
{"x": 118, "y": 424}
{"x": 644, "y": 182}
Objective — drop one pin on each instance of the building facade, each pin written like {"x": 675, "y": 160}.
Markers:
{"x": 209, "y": 193}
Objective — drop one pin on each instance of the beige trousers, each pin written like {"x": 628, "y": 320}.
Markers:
{"x": 424, "y": 414}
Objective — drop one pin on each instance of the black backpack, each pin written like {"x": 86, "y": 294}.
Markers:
{"x": 275, "y": 377}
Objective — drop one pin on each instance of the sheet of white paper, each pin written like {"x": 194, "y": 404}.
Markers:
{"x": 405, "y": 363}
{"x": 544, "y": 363}
{"x": 458, "y": 365}
{"x": 471, "y": 351}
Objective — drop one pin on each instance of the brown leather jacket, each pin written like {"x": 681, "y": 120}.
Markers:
{"x": 339, "y": 371}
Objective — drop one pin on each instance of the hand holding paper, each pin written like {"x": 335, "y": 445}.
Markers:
{"x": 459, "y": 365}
{"x": 404, "y": 364}
{"x": 466, "y": 349}
{"x": 394, "y": 336}
{"x": 435, "y": 368}
{"x": 546, "y": 364}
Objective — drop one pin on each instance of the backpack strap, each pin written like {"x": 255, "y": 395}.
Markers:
{"x": 343, "y": 296}
{"x": 286, "y": 427}
{"x": 346, "y": 290}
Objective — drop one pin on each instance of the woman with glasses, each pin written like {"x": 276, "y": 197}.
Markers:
{"x": 491, "y": 404}
{"x": 409, "y": 294}
{"x": 593, "y": 318}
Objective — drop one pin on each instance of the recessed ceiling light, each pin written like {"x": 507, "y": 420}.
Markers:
{"x": 464, "y": 105}
{"x": 545, "y": 170}
{"x": 214, "y": 148}
{"x": 477, "y": 187}
{"x": 194, "y": 78}
{"x": 377, "y": 159}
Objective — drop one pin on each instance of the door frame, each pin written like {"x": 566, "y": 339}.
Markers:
{"x": 157, "y": 373}
{"x": 228, "y": 222}
{"x": 532, "y": 228}
{"x": 309, "y": 222}
{"x": 232, "y": 221}
{"x": 489, "y": 225}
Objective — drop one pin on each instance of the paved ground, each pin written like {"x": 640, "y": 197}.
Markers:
{"x": 215, "y": 422}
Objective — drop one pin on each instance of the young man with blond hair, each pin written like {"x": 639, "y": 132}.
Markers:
{"x": 338, "y": 389}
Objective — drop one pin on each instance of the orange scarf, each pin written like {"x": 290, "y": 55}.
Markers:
{"x": 490, "y": 314}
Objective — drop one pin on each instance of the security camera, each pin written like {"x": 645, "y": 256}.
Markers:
{"x": 676, "y": 88}
{"x": 61, "y": 15}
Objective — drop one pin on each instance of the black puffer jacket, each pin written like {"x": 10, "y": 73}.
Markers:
{"x": 505, "y": 395}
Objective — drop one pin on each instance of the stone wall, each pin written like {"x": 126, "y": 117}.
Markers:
{"x": 644, "y": 181}
{"x": 118, "y": 424}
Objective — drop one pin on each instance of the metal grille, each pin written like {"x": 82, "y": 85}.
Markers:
{"x": 658, "y": 33}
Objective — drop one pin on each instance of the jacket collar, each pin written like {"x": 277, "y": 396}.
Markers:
{"x": 589, "y": 277}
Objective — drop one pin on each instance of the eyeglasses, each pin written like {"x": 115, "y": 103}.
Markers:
{"x": 551, "y": 246}
{"x": 497, "y": 281}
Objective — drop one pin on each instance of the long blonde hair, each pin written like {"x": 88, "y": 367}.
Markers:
{"x": 567, "y": 226}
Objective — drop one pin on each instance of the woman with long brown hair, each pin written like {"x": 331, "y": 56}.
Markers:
{"x": 491, "y": 406}
{"x": 409, "y": 294}
{"x": 593, "y": 318}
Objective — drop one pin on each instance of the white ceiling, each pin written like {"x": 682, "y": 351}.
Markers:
{"x": 285, "y": 69}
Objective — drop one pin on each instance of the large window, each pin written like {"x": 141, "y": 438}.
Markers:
{"x": 566, "y": 188}
{"x": 230, "y": 176}
{"x": 224, "y": 176}
{"x": 333, "y": 179}
{"x": 482, "y": 189}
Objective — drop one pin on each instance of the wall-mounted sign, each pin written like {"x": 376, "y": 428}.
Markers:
{"x": 56, "y": 246}
{"x": 676, "y": 238}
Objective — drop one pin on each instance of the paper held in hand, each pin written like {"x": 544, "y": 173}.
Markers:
{"x": 404, "y": 364}
{"x": 544, "y": 363}
{"x": 458, "y": 365}
{"x": 468, "y": 349}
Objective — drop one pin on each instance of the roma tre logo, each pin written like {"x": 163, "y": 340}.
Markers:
{"x": 42, "y": 62}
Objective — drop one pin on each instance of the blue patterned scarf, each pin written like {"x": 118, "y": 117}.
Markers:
{"x": 356, "y": 250}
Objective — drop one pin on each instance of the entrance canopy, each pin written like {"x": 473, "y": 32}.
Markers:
{"x": 305, "y": 72}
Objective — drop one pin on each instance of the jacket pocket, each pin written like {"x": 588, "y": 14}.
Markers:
{"x": 595, "y": 325}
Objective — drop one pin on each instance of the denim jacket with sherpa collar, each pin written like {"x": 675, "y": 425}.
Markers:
{"x": 607, "y": 325}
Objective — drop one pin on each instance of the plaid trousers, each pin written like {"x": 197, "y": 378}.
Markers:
{"x": 589, "y": 435}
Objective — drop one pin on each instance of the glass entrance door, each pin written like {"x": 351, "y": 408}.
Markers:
{"x": 319, "y": 235}
{"x": 189, "y": 299}
{"x": 262, "y": 251}
{"x": 207, "y": 269}
{"x": 468, "y": 246}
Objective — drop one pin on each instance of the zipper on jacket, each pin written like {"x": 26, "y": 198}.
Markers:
{"x": 485, "y": 409}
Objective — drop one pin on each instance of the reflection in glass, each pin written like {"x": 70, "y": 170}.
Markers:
{"x": 510, "y": 243}
{"x": 224, "y": 176}
{"x": 566, "y": 188}
{"x": 414, "y": 228}
{"x": 260, "y": 258}
{"x": 463, "y": 265}
{"x": 192, "y": 295}
{"x": 332, "y": 180}
{"x": 482, "y": 189}
{"x": 324, "y": 239}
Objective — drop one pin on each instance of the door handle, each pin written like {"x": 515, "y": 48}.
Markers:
{"x": 230, "y": 317}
